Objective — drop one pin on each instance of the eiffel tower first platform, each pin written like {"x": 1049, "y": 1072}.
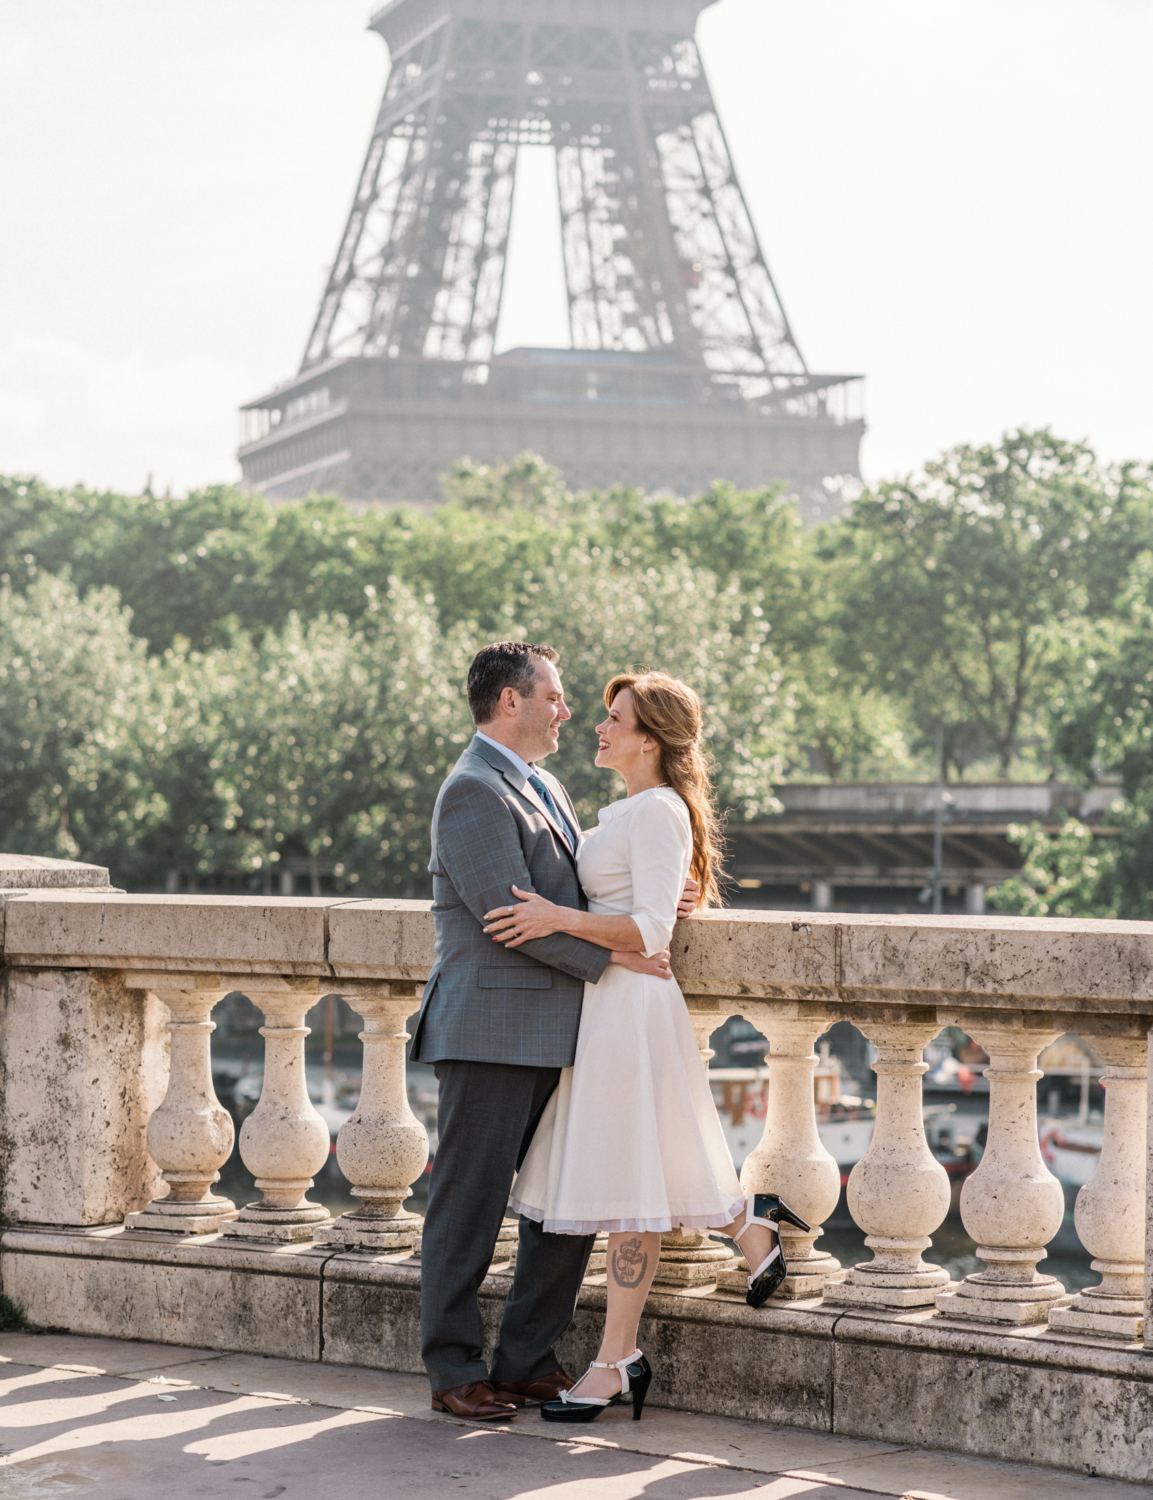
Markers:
{"x": 683, "y": 366}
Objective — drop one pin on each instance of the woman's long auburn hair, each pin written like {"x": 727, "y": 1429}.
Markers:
{"x": 669, "y": 712}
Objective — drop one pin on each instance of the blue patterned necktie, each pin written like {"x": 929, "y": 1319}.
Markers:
{"x": 546, "y": 797}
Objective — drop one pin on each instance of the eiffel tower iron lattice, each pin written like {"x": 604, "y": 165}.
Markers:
{"x": 683, "y": 366}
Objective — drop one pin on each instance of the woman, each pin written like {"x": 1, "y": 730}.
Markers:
{"x": 630, "y": 1143}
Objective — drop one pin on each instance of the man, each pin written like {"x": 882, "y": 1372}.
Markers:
{"x": 499, "y": 1025}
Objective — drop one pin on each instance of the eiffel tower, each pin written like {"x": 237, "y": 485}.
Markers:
{"x": 683, "y": 366}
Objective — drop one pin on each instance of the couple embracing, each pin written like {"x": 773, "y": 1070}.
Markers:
{"x": 571, "y": 1087}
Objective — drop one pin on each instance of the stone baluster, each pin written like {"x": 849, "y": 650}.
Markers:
{"x": 707, "y": 1014}
{"x": 898, "y": 1191}
{"x": 190, "y": 1133}
{"x": 691, "y": 1257}
{"x": 790, "y": 1159}
{"x": 1149, "y": 1206}
{"x": 1110, "y": 1209}
{"x": 382, "y": 1148}
{"x": 1012, "y": 1205}
{"x": 284, "y": 1142}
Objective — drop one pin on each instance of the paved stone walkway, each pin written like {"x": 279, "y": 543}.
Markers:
{"x": 131, "y": 1421}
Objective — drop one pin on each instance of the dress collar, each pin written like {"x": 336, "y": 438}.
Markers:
{"x": 626, "y": 804}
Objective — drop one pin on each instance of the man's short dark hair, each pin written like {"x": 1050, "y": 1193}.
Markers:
{"x": 504, "y": 664}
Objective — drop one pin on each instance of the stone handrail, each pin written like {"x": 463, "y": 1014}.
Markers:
{"x": 92, "y": 1108}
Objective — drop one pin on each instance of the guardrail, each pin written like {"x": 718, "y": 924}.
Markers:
{"x": 110, "y": 1119}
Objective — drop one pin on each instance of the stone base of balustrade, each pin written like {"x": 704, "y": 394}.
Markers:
{"x": 805, "y": 1279}
{"x": 503, "y": 1252}
{"x": 371, "y": 1232}
{"x": 171, "y": 1217}
{"x": 1018, "y": 1394}
{"x": 690, "y": 1259}
{"x": 1016, "y": 1303}
{"x": 864, "y": 1288}
{"x": 1104, "y": 1317}
{"x": 1026, "y": 1395}
{"x": 278, "y": 1226}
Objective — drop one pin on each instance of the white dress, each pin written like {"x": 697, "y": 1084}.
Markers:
{"x": 631, "y": 1139}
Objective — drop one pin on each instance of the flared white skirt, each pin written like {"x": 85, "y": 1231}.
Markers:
{"x": 631, "y": 1139}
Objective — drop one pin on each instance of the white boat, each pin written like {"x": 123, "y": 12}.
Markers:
{"x": 1072, "y": 1149}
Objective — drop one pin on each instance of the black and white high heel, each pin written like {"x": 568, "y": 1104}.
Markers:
{"x": 767, "y": 1210}
{"x": 636, "y": 1377}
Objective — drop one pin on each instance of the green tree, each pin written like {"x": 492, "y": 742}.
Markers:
{"x": 1103, "y": 723}
{"x": 220, "y": 559}
{"x": 504, "y": 521}
{"x": 79, "y": 723}
{"x": 189, "y": 566}
{"x": 320, "y": 558}
{"x": 843, "y": 727}
{"x": 318, "y": 740}
{"x": 967, "y": 590}
{"x": 1068, "y": 874}
{"x": 213, "y": 682}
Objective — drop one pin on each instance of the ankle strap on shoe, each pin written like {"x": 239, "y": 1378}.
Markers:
{"x": 621, "y": 1366}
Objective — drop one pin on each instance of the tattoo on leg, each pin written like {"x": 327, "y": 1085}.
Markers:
{"x": 628, "y": 1265}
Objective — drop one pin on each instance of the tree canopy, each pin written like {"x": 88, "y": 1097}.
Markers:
{"x": 969, "y": 590}
{"x": 208, "y": 684}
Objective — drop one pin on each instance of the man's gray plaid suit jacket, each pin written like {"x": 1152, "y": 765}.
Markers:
{"x": 484, "y": 1002}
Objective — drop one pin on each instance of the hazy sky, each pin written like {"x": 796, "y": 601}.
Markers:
{"x": 954, "y": 199}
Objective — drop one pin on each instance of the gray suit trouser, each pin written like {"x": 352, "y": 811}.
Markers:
{"x": 486, "y": 1116}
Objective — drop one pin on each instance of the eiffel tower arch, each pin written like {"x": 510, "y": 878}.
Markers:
{"x": 683, "y": 366}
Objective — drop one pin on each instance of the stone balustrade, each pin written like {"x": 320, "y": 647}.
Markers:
{"x": 190, "y": 1134}
{"x": 898, "y": 1191}
{"x": 383, "y": 1148}
{"x": 114, "y": 1141}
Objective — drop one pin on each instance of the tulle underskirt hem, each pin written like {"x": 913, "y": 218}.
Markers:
{"x": 627, "y": 1226}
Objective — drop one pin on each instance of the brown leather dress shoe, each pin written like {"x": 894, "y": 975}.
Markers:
{"x": 476, "y": 1401}
{"x": 534, "y": 1392}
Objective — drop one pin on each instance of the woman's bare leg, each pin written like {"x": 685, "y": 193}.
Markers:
{"x": 632, "y": 1264}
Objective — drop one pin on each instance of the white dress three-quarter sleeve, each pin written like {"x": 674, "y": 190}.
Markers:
{"x": 660, "y": 852}
{"x": 631, "y": 1139}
